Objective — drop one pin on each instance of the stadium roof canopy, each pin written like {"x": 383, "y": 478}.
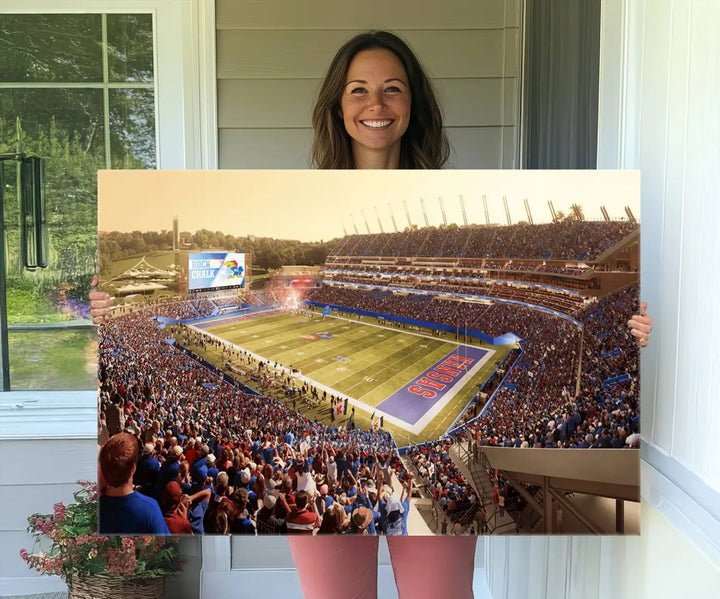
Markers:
{"x": 144, "y": 270}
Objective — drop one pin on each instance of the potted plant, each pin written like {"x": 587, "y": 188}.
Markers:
{"x": 93, "y": 565}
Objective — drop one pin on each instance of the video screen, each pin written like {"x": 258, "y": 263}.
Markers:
{"x": 216, "y": 270}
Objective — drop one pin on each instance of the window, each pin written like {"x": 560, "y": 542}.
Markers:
{"x": 78, "y": 90}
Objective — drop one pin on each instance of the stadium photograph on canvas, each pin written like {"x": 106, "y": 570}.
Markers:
{"x": 372, "y": 351}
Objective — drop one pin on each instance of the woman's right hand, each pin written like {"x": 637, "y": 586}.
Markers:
{"x": 100, "y": 303}
{"x": 640, "y": 326}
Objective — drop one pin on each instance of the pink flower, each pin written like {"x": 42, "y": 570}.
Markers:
{"x": 99, "y": 539}
{"x": 59, "y": 511}
{"x": 43, "y": 526}
{"x": 128, "y": 543}
{"x": 25, "y": 555}
{"x": 53, "y": 565}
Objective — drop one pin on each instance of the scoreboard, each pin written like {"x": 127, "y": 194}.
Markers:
{"x": 216, "y": 270}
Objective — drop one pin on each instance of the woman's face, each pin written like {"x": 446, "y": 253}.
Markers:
{"x": 375, "y": 103}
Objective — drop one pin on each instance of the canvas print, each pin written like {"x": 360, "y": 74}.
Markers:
{"x": 369, "y": 352}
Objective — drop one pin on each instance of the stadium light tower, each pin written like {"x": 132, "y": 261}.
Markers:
{"x": 507, "y": 211}
{"x": 378, "y": 218}
{"x": 365, "y": 219}
{"x": 354, "y": 225}
{"x": 407, "y": 213}
{"x": 630, "y": 215}
{"x": 392, "y": 217}
{"x": 553, "y": 214}
{"x": 462, "y": 207}
{"x": 487, "y": 214}
{"x": 605, "y": 214}
{"x": 422, "y": 205}
{"x": 529, "y": 214}
{"x": 442, "y": 210}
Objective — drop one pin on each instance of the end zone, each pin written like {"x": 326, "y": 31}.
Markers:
{"x": 418, "y": 402}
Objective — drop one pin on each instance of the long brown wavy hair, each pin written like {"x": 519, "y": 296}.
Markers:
{"x": 424, "y": 145}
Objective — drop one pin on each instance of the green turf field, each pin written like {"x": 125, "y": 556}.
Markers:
{"x": 362, "y": 360}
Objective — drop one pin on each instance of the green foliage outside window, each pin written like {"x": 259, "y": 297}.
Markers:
{"x": 76, "y": 89}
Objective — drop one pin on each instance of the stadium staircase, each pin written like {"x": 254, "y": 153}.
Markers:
{"x": 438, "y": 520}
{"x": 589, "y": 486}
{"x": 476, "y": 473}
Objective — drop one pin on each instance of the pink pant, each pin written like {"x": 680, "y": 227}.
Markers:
{"x": 333, "y": 566}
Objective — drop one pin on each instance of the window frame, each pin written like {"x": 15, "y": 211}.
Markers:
{"x": 185, "y": 97}
{"x": 185, "y": 104}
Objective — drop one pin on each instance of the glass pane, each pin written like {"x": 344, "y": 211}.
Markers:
{"x": 48, "y": 47}
{"x": 66, "y": 128}
{"x": 132, "y": 128}
{"x": 130, "y": 47}
{"x": 54, "y": 359}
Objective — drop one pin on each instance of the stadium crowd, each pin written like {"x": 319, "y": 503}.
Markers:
{"x": 566, "y": 240}
{"x": 220, "y": 459}
{"x": 548, "y": 297}
{"x": 536, "y": 406}
{"x": 223, "y": 458}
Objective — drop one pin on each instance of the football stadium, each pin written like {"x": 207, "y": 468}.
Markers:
{"x": 383, "y": 377}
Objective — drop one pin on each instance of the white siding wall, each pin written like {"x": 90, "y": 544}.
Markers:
{"x": 672, "y": 133}
{"x": 271, "y": 57}
{"x": 659, "y": 92}
{"x": 46, "y": 446}
{"x": 35, "y": 475}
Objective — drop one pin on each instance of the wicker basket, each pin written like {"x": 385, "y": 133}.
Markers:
{"x": 116, "y": 587}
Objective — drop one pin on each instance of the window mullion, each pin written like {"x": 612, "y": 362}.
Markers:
{"x": 82, "y": 85}
{"x": 4, "y": 344}
{"x": 106, "y": 91}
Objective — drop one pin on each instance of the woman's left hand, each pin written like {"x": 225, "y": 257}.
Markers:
{"x": 641, "y": 325}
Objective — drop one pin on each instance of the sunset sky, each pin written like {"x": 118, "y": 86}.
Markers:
{"x": 314, "y": 205}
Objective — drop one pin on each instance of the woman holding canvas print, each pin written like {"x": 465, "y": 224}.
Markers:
{"x": 377, "y": 110}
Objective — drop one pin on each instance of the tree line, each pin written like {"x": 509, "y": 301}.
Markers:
{"x": 267, "y": 252}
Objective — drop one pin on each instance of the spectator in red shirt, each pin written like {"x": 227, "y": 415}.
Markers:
{"x": 302, "y": 519}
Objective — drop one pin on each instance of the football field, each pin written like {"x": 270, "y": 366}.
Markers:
{"x": 418, "y": 382}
